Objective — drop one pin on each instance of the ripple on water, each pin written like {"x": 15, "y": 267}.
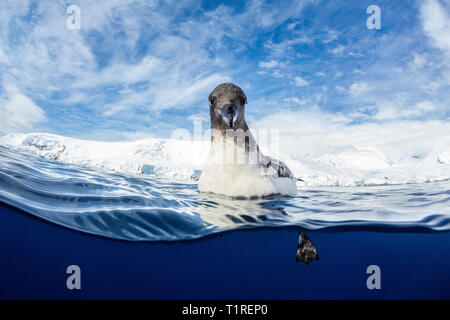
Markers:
{"x": 130, "y": 207}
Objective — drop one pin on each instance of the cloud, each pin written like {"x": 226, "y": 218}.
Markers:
{"x": 358, "y": 88}
{"x": 151, "y": 64}
{"x": 330, "y": 36}
{"x": 257, "y": 16}
{"x": 338, "y": 50}
{"x": 313, "y": 132}
{"x": 201, "y": 116}
{"x": 18, "y": 113}
{"x": 436, "y": 23}
{"x": 99, "y": 66}
{"x": 270, "y": 64}
{"x": 276, "y": 74}
{"x": 286, "y": 46}
{"x": 398, "y": 110}
{"x": 129, "y": 55}
{"x": 295, "y": 100}
{"x": 300, "y": 82}
{"x": 418, "y": 61}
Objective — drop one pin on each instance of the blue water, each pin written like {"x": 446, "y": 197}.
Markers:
{"x": 143, "y": 208}
{"x": 402, "y": 229}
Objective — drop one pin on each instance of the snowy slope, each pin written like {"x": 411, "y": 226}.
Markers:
{"x": 358, "y": 165}
{"x": 161, "y": 157}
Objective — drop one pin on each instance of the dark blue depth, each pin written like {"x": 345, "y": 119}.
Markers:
{"x": 246, "y": 264}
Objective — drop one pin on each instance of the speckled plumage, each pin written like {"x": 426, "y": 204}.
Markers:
{"x": 306, "y": 252}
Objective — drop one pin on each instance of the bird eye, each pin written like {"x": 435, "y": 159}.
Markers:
{"x": 212, "y": 99}
{"x": 243, "y": 101}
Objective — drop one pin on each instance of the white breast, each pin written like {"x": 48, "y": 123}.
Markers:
{"x": 240, "y": 179}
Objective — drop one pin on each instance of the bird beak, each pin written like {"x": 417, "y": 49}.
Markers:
{"x": 229, "y": 115}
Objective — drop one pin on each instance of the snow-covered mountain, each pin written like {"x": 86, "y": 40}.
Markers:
{"x": 177, "y": 159}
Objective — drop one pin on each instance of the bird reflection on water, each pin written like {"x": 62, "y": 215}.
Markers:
{"x": 143, "y": 208}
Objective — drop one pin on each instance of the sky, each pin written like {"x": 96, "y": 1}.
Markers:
{"x": 312, "y": 69}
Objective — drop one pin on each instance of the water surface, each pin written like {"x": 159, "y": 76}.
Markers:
{"x": 131, "y": 207}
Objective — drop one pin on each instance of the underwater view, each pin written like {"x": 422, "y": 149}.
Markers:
{"x": 224, "y": 151}
{"x": 402, "y": 228}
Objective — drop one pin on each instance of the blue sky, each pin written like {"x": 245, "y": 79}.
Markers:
{"x": 144, "y": 68}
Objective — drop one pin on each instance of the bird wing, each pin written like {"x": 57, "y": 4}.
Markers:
{"x": 279, "y": 166}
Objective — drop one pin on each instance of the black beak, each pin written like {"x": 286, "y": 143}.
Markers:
{"x": 229, "y": 115}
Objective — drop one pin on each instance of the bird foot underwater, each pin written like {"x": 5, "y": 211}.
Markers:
{"x": 306, "y": 252}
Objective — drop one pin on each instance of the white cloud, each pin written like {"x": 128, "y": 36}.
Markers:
{"x": 424, "y": 106}
{"x": 277, "y": 74}
{"x": 433, "y": 86}
{"x": 418, "y": 61}
{"x": 300, "y": 82}
{"x": 186, "y": 93}
{"x": 66, "y": 60}
{"x": 201, "y": 116}
{"x": 295, "y": 100}
{"x": 331, "y": 36}
{"x": 436, "y": 23}
{"x": 338, "y": 50}
{"x": 172, "y": 93}
{"x": 269, "y": 64}
{"x": 315, "y": 133}
{"x": 291, "y": 26}
{"x": 3, "y": 57}
{"x": 264, "y": 15}
{"x": 18, "y": 113}
{"x": 286, "y": 46}
{"x": 257, "y": 15}
{"x": 358, "y": 88}
{"x": 186, "y": 59}
{"x": 53, "y": 59}
{"x": 396, "y": 109}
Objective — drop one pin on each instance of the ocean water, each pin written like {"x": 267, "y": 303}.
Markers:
{"x": 142, "y": 208}
{"x": 402, "y": 229}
